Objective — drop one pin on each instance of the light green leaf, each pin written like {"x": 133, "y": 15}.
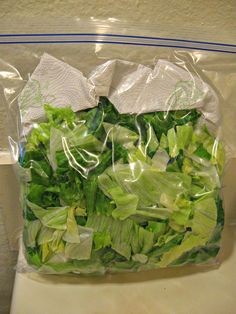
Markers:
{"x": 203, "y": 225}
{"x": 147, "y": 182}
{"x": 120, "y": 232}
{"x": 30, "y": 232}
{"x": 172, "y": 143}
{"x": 45, "y": 235}
{"x": 101, "y": 240}
{"x": 53, "y": 217}
{"x": 81, "y": 137}
{"x": 55, "y": 145}
{"x": 152, "y": 141}
{"x": 141, "y": 258}
{"x": 57, "y": 244}
{"x": 154, "y": 212}
{"x": 181, "y": 216}
{"x": 82, "y": 250}
{"x": 160, "y": 159}
{"x": 72, "y": 233}
{"x": 126, "y": 204}
{"x": 158, "y": 228}
{"x": 190, "y": 241}
{"x": 163, "y": 141}
{"x": 146, "y": 239}
{"x": 184, "y": 135}
{"x": 119, "y": 134}
{"x": 205, "y": 217}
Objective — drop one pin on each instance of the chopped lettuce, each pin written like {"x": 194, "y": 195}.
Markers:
{"x": 188, "y": 243}
{"x": 112, "y": 192}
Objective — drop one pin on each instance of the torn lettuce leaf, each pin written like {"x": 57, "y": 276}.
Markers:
{"x": 72, "y": 233}
{"x": 119, "y": 134}
{"x": 202, "y": 225}
{"x": 189, "y": 242}
{"x": 120, "y": 232}
{"x": 125, "y": 235}
{"x": 205, "y": 217}
{"x": 31, "y": 231}
{"x": 146, "y": 182}
{"x": 160, "y": 159}
{"x": 184, "y": 135}
{"x": 172, "y": 143}
{"x": 51, "y": 217}
{"x": 152, "y": 141}
{"x": 126, "y": 204}
{"x": 45, "y": 235}
{"x": 102, "y": 240}
{"x": 81, "y": 250}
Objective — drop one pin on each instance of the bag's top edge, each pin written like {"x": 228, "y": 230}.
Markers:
{"x": 115, "y": 27}
{"x": 45, "y": 35}
{"x": 109, "y": 38}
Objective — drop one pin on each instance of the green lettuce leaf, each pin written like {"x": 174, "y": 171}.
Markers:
{"x": 190, "y": 241}
{"x": 184, "y": 135}
{"x": 125, "y": 235}
{"x": 172, "y": 143}
{"x": 101, "y": 240}
{"x": 126, "y": 204}
{"x": 202, "y": 224}
{"x": 81, "y": 250}
{"x": 31, "y": 231}
{"x": 160, "y": 159}
{"x": 51, "y": 217}
{"x": 72, "y": 233}
{"x": 152, "y": 141}
{"x": 146, "y": 182}
{"x": 45, "y": 235}
{"x": 119, "y": 134}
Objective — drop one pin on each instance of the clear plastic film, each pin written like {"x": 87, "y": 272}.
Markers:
{"x": 120, "y": 148}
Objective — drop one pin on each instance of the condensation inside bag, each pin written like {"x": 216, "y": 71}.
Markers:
{"x": 128, "y": 179}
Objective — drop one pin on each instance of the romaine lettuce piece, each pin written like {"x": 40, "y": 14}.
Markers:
{"x": 31, "y": 231}
{"x": 202, "y": 225}
{"x": 81, "y": 250}
{"x": 147, "y": 182}
{"x": 160, "y": 159}
{"x": 72, "y": 233}
{"x": 126, "y": 204}
{"x": 184, "y": 135}
{"x": 51, "y": 217}
{"x": 190, "y": 241}
{"x": 172, "y": 143}
{"x": 119, "y": 134}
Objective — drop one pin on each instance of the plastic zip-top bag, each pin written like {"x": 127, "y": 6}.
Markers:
{"x": 120, "y": 146}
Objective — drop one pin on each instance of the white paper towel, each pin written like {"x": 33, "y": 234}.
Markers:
{"x": 58, "y": 84}
{"x": 135, "y": 88}
{"x": 131, "y": 87}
